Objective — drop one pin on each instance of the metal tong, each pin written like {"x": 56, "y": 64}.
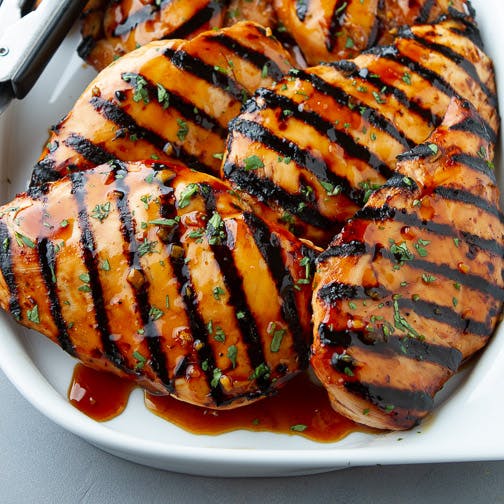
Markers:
{"x": 27, "y": 42}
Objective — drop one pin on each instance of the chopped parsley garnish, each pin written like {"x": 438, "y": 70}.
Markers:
{"x": 218, "y": 292}
{"x": 217, "y": 373}
{"x": 155, "y": 313}
{"x": 403, "y": 325}
{"x": 183, "y": 129}
{"x": 261, "y": 371}
{"x": 23, "y": 240}
{"x": 406, "y": 78}
{"x": 185, "y": 196}
{"x": 433, "y": 148}
{"x": 101, "y": 212}
{"x": 298, "y": 427}
{"x": 220, "y": 335}
{"x": 141, "y": 91}
{"x": 146, "y": 247}
{"x": 253, "y": 163}
{"x": 215, "y": 229}
{"x": 331, "y": 189}
{"x": 141, "y": 360}
{"x": 232, "y": 352}
{"x": 420, "y": 247}
{"x": 163, "y": 96}
{"x": 33, "y": 315}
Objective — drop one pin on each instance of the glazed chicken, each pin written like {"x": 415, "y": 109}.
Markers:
{"x": 323, "y": 138}
{"x": 167, "y": 99}
{"x": 330, "y": 30}
{"x": 160, "y": 275}
{"x": 413, "y": 285}
{"x": 112, "y": 29}
{"x": 315, "y": 31}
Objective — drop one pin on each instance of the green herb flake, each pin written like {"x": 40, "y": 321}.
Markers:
{"x": 253, "y": 163}
{"x": 428, "y": 278}
{"x": 276, "y": 340}
{"x": 183, "y": 129}
{"x": 402, "y": 324}
{"x": 406, "y": 78}
{"x": 164, "y": 222}
{"x": 217, "y": 373}
{"x": 298, "y": 428}
{"x": 220, "y": 335}
{"x": 23, "y": 240}
{"x": 146, "y": 247}
{"x": 163, "y": 96}
{"x": 232, "y": 353}
{"x": 33, "y": 315}
{"x": 420, "y": 247}
{"x": 101, "y": 212}
{"x": 155, "y": 313}
{"x": 186, "y": 194}
{"x": 141, "y": 360}
{"x": 349, "y": 44}
{"x": 433, "y": 148}
{"x": 218, "y": 292}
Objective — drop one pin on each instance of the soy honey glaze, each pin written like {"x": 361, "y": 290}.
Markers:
{"x": 301, "y": 407}
{"x": 100, "y": 395}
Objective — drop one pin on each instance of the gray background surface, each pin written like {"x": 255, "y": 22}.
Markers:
{"x": 42, "y": 463}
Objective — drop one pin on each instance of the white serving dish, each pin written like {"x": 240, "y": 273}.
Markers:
{"x": 465, "y": 425}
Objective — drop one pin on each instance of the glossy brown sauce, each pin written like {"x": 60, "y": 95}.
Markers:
{"x": 100, "y": 395}
{"x": 301, "y": 407}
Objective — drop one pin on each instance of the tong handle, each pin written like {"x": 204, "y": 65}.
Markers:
{"x": 31, "y": 42}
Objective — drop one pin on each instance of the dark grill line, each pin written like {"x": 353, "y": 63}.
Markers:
{"x": 197, "y": 21}
{"x": 158, "y": 358}
{"x": 234, "y": 284}
{"x": 337, "y": 291}
{"x": 437, "y": 81}
{"x": 111, "y": 351}
{"x": 468, "y": 198}
{"x": 258, "y": 59}
{"x": 47, "y": 261}
{"x": 7, "y": 271}
{"x": 468, "y": 67}
{"x": 126, "y": 122}
{"x": 386, "y": 212}
{"x": 185, "y": 108}
{"x": 389, "y": 90}
{"x": 199, "y": 330}
{"x": 425, "y": 11}
{"x": 390, "y": 397}
{"x": 269, "y": 246}
{"x": 394, "y": 345}
{"x": 352, "y": 248}
{"x": 134, "y": 19}
{"x": 304, "y": 158}
{"x": 476, "y": 127}
{"x": 90, "y": 151}
{"x": 475, "y": 163}
{"x": 197, "y": 67}
{"x": 266, "y": 190}
{"x": 372, "y": 115}
{"x": 337, "y": 19}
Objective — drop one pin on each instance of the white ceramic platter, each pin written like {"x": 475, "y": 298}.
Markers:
{"x": 466, "y": 424}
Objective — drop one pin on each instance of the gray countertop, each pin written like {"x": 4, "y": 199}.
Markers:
{"x": 42, "y": 463}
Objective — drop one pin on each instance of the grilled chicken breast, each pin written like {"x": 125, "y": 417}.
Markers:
{"x": 413, "y": 285}
{"x": 159, "y": 274}
{"x": 167, "y": 99}
{"x": 315, "y": 145}
{"x": 331, "y": 30}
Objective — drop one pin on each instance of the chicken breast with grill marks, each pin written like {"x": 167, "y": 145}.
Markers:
{"x": 412, "y": 286}
{"x": 160, "y": 275}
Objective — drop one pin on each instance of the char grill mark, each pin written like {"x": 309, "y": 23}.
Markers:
{"x": 477, "y": 164}
{"x": 88, "y": 246}
{"x": 197, "y": 325}
{"x": 468, "y": 198}
{"x": 468, "y": 67}
{"x": 234, "y": 284}
{"x": 268, "y": 245}
{"x": 7, "y": 271}
{"x": 128, "y": 231}
{"x": 142, "y": 15}
{"x": 326, "y": 128}
{"x": 372, "y": 115}
{"x": 197, "y": 67}
{"x": 352, "y": 248}
{"x": 334, "y": 292}
{"x": 258, "y": 59}
{"x": 393, "y": 346}
{"x": 425, "y": 11}
{"x": 390, "y": 399}
{"x": 302, "y": 7}
{"x": 126, "y": 123}
{"x": 266, "y": 190}
{"x": 255, "y": 132}
{"x": 410, "y": 103}
{"x": 93, "y": 153}
{"x": 337, "y": 19}
{"x": 47, "y": 262}
{"x": 197, "y": 21}
{"x": 410, "y": 219}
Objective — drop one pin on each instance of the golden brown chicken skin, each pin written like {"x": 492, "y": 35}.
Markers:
{"x": 413, "y": 286}
{"x": 162, "y": 276}
{"x": 167, "y": 99}
{"x": 331, "y": 30}
{"x": 314, "y": 146}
